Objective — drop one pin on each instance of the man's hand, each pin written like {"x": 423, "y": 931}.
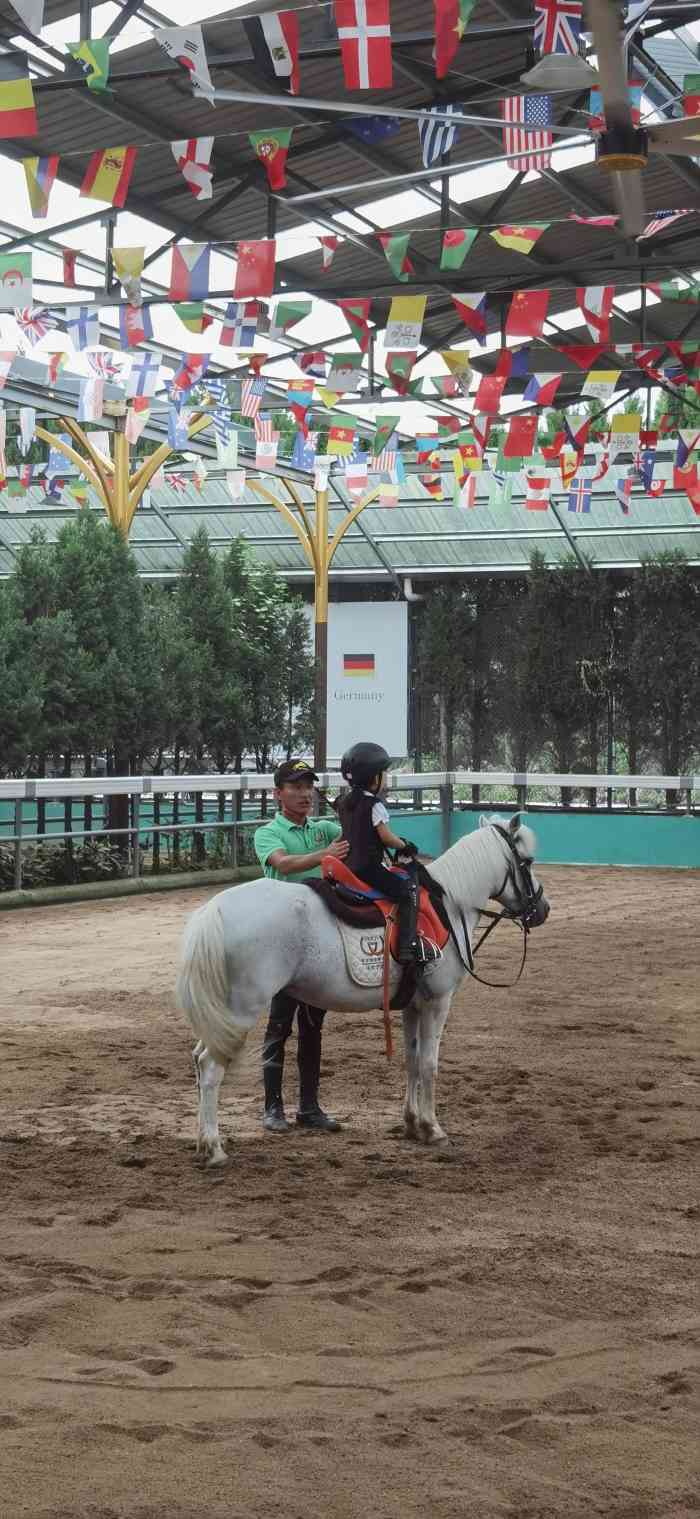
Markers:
{"x": 338, "y": 850}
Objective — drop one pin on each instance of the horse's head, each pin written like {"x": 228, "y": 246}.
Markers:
{"x": 521, "y": 893}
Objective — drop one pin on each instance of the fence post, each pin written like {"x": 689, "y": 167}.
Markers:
{"x": 446, "y": 810}
{"x": 135, "y": 843}
{"x": 237, "y": 812}
{"x": 521, "y": 791}
{"x": 18, "y": 843}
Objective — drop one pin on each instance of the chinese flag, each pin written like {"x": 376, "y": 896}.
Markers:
{"x": 255, "y": 274}
{"x": 488, "y": 395}
{"x": 520, "y": 442}
{"x": 527, "y": 315}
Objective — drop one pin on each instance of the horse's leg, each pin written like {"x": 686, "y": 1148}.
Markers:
{"x": 433, "y": 1017}
{"x": 411, "y": 1017}
{"x": 210, "y": 1076}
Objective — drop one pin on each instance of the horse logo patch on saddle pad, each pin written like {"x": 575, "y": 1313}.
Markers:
{"x": 364, "y": 955}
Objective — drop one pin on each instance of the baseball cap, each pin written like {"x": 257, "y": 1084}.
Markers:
{"x": 294, "y": 770}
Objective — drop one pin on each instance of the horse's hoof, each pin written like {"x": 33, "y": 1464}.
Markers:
{"x": 434, "y": 1135}
{"x": 214, "y": 1156}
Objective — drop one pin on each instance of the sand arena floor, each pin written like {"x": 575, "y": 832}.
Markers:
{"x": 354, "y": 1325}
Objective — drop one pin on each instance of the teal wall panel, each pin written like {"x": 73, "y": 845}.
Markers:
{"x": 599, "y": 838}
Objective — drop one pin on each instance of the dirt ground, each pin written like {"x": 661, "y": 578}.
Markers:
{"x": 353, "y": 1325}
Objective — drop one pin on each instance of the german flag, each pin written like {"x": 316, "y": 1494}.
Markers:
{"x": 358, "y": 664}
{"x": 17, "y": 109}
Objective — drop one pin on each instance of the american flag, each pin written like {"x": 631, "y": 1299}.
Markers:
{"x": 534, "y": 111}
{"x": 252, "y": 392}
{"x": 558, "y": 25}
{"x": 385, "y": 462}
{"x": 264, "y": 428}
{"x": 659, "y": 220}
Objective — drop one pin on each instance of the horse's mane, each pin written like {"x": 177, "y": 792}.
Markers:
{"x": 465, "y": 871}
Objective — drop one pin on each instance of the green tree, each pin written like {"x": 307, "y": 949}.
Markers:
{"x": 666, "y": 651}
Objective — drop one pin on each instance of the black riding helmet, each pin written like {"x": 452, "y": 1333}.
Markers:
{"x": 362, "y": 762}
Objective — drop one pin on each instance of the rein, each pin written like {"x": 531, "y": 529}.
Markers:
{"x": 524, "y": 915}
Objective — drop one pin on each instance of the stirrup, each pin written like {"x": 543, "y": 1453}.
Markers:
{"x": 426, "y": 952}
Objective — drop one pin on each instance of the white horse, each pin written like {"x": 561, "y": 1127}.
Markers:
{"x": 252, "y": 941}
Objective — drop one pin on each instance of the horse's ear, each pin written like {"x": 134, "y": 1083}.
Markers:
{"x": 483, "y": 821}
{"x": 514, "y": 823}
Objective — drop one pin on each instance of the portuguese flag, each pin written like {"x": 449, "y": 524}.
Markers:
{"x": 358, "y": 664}
{"x": 691, "y": 94}
{"x": 455, "y": 246}
{"x": 17, "y": 109}
{"x": 272, "y": 148}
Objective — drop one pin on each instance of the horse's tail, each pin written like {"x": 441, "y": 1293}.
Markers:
{"x": 203, "y": 985}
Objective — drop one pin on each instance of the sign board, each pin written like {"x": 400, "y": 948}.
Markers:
{"x": 368, "y": 675}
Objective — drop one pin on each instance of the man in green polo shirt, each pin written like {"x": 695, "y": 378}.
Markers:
{"x": 290, "y": 848}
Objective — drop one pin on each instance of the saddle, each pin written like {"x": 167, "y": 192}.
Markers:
{"x": 362, "y": 906}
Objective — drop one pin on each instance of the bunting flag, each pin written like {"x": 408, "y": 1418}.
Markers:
{"x": 40, "y": 174}
{"x": 299, "y": 398}
{"x": 662, "y": 219}
{"x": 691, "y": 94}
{"x": 185, "y": 44}
{"x": 304, "y": 450}
{"x": 398, "y": 369}
{"x": 274, "y": 39}
{"x": 27, "y": 427}
{"x": 69, "y": 261}
{"x": 464, "y": 495}
{"x": 580, "y": 496}
{"x": 388, "y": 493}
{"x": 538, "y": 488}
{"x": 34, "y": 322}
{"x": 17, "y": 110}
{"x": 252, "y": 392}
{"x": 596, "y": 119}
{"x": 471, "y": 308}
{"x": 445, "y": 385}
{"x": 235, "y": 482}
{"x": 341, "y": 435}
{"x": 135, "y": 326}
{"x": 603, "y": 464}
{"x": 526, "y": 120}
{"x": 137, "y": 416}
{"x": 189, "y": 272}
{"x": 364, "y": 33}
{"x": 128, "y": 267}
{"x": 593, "y": 221}
{"x": 513, "y": 363}
{"x": 395, "y": 249}
{"x": 385, "y": 462}
{"x": 527, "y": 313}
{"x": 356, "y": 313}
{"x": 189, "y": 373}
{"x": 451, "y": 20}
{"x": 520, "y": 440}
{"x": 405, "y": 323}
{"x": 576, "y": 430}
{"x": 356, "y": 476}
{"x": 109, "y": 364}
{"x": 372, "y": 129}
{"x": 144, "y": 376}
{"x": 558, "y": 25}
{"x": 345, "y": 372}
{"x": 287, "y": 314}
{"x": 266, "y": 451}
{"x": 192, "y": 315}
{"x": 457, "y": 361}
{"x": 489, "y": 393}
{"x": 624, "y": 433}
{"x": 519, "y": 239}
{"x": 93, "y": 57}
{"x": 456, "y": 244}
{"x": 542, "y": 388}
{"x": 83, "y": 326}
{"x": 15, "y": 280}
{"x": 108, "y": 175}
{"x": 601, "y": 384}
{"x": 645, "y": 464}
{"x": 623, "y": 492}
{"x": 329, "y": 248}
{"x": 255, "y": 273}
{"x": 226, "y": 442}
{"x": 384, "y": 429}
{"x": 272, "y": 147}
{"x": 240, "y": 324}
{"x": 179, "y": 426}
{"x": 582, "y": 354}
{"x": 91, "y": 399}
{"x": 596, "y": 302}
{"x": 192, "y": 156}
{"x": 55, "y": 362}
{"x": 437, "y": 137}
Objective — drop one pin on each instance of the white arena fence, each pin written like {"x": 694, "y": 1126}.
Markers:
{"x": 162, "y": 808}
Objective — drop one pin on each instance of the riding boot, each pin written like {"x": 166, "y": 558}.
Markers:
{"x": 273, "y": 1067}
{"x": 408, "y": 918}
{"x": 310, "y": 1114}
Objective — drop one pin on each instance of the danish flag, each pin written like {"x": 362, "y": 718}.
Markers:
{"x": 365, "y": 43}
{"x": 557, "y": 25}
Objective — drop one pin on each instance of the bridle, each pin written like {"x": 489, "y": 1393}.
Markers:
{"x": 519, "y": 873}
